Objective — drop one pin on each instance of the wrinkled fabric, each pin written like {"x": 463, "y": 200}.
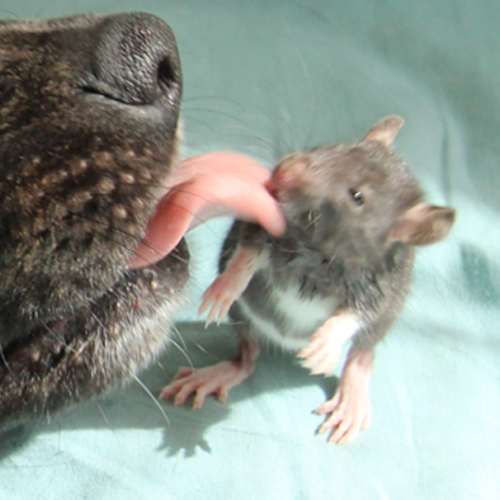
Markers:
{"x": 265, "y": 78}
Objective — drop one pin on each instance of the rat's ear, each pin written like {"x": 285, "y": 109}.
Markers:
{"x": 290, "y": 173}
{"x": 423, "y": 224}
{"x": 386, "y": 130}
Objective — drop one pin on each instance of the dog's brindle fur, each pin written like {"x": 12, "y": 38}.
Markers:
{"x": 88, "y": 130}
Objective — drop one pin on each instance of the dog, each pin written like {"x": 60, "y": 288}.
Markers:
{"x": 89, "y": 121}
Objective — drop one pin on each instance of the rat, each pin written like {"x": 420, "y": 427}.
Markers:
{"x": 94, "y": 204}
{"x": 339, "y": 274}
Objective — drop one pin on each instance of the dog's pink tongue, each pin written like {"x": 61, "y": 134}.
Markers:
{"x": 207, "y": 186}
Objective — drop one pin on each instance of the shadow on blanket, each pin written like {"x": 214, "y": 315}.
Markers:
{"x": 135, "y": 406}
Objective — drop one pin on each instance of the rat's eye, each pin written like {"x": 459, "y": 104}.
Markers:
{"x": 357, "y": 197}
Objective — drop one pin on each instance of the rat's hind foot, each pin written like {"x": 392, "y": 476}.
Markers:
{"x": 348, "y": 415}
{"x": 217, "y": 379}
{"x": 349, "y": 411}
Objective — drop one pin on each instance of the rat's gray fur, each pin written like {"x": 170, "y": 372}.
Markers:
{"x": 335, "y": 247}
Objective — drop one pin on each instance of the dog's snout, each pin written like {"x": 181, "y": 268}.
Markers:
{"x": 89, "y": 112}
{"x": 89, "y": 109}
{"x": 136, "y": 61}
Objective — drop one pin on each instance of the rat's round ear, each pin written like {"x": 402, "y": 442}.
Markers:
{"x": 291, "y": 173}
{"x": 386, "y": 130}
{"x": 423, "y": 224}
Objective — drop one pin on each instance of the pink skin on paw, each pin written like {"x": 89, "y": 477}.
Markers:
{"x": 228, "y": 287}
{"x": 219, "y": 298}
{"x": 323, "y": 352}
{"x": 349, "y": 411}
{"x": 203, "y": 187}
{"x": 217, "y": 379}
{"x": 320, "y": 358}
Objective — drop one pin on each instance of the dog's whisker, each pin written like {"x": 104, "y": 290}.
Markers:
{"x": 183, "y": 351}
{"x": 151, "y": 396}
{"x": 212, "y": 98}
{"x": 103, "y": 414}
{"x": 58, "y": 338}
{"x": 4, "y": 360}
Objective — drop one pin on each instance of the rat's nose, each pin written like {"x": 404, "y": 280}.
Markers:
{"x": 135, "y": 61}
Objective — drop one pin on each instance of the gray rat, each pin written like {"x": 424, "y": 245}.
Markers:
{"x": 339, "y": 274}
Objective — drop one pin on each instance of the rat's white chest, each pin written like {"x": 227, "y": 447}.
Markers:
{"x": 302, "y": 314}
{"x": 294, "y": 318}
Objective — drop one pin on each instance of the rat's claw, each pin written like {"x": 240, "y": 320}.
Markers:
{"x": 217, "y": 379}
{"x": 224, "y": 307}
{"x": 176, "y": 383}
{"x": 311, "y": 348}
{"x": 184, "y": 392}
{"x": 349, "y": 411}
{"x": 212, "y": 314}
{"x": 329, "y": 406}
{"x": 204, "y": 304}
{"x": 183, "y": 372}
{"x": 341, "y": 433}
{"x": 219, "y": 298}
{"x": 343, "y": 423}
{"x": 222, "y": 394}
{"x": 229, "y": 286}
{"x": 320, "y": 357}
{"x": 325, "y": 366}
{"x": 199, "y": 399}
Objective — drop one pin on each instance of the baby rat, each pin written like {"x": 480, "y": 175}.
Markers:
{"x": 339, "y": 274}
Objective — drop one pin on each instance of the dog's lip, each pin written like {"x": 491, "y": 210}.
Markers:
{"x": 203, "y": 187}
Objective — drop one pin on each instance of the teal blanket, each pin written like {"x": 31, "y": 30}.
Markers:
{"x": 266, "y": 77}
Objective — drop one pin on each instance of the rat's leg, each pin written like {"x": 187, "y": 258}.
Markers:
{"x": 217, "y": 379}
{"x": 323, "y": 352}
{"x": 350, "y": 410}
{"x": 229, "y": 285}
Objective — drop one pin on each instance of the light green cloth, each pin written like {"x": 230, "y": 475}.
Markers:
{"x": 266, "y": 77}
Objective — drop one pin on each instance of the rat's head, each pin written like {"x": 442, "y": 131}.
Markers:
{"x": 88, "y": 132}
{"x": 356, "y": 201}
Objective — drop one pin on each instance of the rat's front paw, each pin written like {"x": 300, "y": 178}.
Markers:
{"x": 229, "y": 286}
{"x": 321, "y": 355}
{"x": 348, "y": 414}
{"x": 324, "y": 351}
{"x": 219, "y": 297}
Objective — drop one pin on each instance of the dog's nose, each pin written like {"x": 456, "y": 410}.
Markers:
{"x": 136, "y": 61}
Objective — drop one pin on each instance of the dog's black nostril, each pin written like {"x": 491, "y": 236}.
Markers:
{"x": 167, "y": 78}
{"x": 136, "y": 61}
